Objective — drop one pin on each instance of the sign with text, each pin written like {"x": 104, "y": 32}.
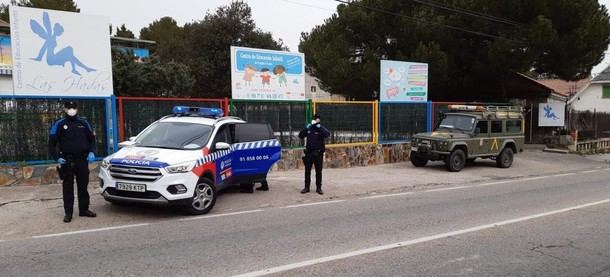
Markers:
{"x": 403, "y": 82}
{"x": 60, "y": 53}
{"x": 267, "y": 74}
{"x": 551, "y": 114}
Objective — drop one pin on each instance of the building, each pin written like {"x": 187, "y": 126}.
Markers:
{"x": 595, "y": 96}
{"x": 314, "y": 92}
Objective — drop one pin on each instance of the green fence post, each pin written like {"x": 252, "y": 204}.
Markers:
{"x": 309, "y": 111}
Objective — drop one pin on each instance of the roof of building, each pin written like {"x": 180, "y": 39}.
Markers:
{"x": 543, "y": 86}
{"x": 132, "y": 40}
{"x": 602, "y": 77}
{"x": 563, "y": 87}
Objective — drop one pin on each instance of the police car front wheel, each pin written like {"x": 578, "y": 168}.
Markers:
{"x": 204, "y": 198}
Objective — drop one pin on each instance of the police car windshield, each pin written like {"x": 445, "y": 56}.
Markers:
{"x": 458, "y": 122}
{"x": 175, "y": 135}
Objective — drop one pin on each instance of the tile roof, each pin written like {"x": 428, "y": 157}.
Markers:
{"x": 604, "y": 76}
{"x": 563, "y": 87}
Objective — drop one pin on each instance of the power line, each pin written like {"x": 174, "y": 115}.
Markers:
{"x": 421, "y": 20}
{"x": 307, "y": 5}
{"x": 467, "y": 12}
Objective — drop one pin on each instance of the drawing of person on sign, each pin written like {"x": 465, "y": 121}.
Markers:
{"x": 61, "y": 57}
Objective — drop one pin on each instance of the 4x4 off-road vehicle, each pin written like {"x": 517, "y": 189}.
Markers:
{"x": 466, "y": 133}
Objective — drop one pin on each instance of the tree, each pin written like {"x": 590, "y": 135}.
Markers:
{"x": 562, "y": 38}
{"x": 149, "y": 78}
{"x": 209, "y": 42}
{"x": 60, "y": 5}
{"x": 124, "y": 32}
{"x": 169, "y": 38}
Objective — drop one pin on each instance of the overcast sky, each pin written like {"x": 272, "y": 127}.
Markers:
{"x": 285, "y": 19}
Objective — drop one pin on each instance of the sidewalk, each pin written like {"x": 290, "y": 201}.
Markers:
{"x": 35, "y": 210}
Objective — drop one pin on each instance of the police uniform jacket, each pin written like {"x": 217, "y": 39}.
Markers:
{"x": 71, "y": 136}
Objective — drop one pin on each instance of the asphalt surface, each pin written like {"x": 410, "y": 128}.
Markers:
{"x": 448, "y": 231}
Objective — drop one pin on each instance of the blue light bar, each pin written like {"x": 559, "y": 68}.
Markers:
{"x": 196, "y": 111}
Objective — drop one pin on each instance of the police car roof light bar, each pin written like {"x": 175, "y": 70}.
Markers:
{"x": 197, "y": 111}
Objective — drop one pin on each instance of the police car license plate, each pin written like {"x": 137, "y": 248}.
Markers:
{"x": 131, "y": 187}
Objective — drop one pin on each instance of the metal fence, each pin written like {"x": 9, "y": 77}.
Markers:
{"x": 590, "y": 125}
{"x": 287, "y": 118}
{"x": 136, "y": 113}
{"x": 350, "y": 122}
{"x": 398, "y": 122}
{"x": 25, "y": 123}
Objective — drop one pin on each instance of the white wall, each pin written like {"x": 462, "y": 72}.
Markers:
{"x": 590, "y": 99}
{"x": 6, "y": 84}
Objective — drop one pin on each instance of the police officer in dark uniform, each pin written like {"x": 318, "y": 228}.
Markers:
{"x": 314, "y": 134}
{"x": 71, "y": 144}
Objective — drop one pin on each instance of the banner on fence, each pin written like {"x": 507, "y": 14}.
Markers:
{"x": 267, "y": 74}
{"x": 60, "y": 53}
{"x": 551, "y": 114}
{"x": 403, "y": 81}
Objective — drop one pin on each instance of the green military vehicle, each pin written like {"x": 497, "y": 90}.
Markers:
{"x": 466, "y": 133}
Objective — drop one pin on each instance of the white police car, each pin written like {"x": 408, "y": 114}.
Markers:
{"x": 187, "y": 157}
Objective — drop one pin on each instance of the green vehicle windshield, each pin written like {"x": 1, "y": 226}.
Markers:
{"x": 458, "y": 122}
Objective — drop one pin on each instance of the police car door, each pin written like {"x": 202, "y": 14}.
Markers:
{"x": 223, "y": 158}
{"x": 254, "y": 152}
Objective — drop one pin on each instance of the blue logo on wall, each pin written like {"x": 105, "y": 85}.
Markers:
{"x": 548, "y": 113}
{"x": 61, "y": 57}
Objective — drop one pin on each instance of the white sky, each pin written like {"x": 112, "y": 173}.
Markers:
{"x": 285, "y": 19}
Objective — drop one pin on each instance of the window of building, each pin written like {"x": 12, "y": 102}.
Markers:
{"x": 313, "y": 88}
{"x": 496, "y": 126}
{"x": 513, "y": 126}
{"x": 606, "y": 92}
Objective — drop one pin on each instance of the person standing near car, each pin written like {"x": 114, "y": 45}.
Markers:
{"x": 314, "y": 135}
{"x": 71, "y": 144}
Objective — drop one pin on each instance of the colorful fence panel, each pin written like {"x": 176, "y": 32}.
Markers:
{"x": 398, "y": 122}
{"x": 136, "y": 113}
{"x": 287, "y": 118}
{"x": 350, "y": 122}
{"x": 25, "y": 123}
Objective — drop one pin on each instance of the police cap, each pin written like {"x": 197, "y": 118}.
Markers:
{"x": 70, "y": 105}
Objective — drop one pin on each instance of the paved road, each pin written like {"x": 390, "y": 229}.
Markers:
{"x": 542, "y": 226}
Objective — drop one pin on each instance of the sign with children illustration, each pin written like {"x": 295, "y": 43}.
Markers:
{"x": 403, "y": 81}
{"x": 59, "y": 53}
{"x": 267, "y": 74}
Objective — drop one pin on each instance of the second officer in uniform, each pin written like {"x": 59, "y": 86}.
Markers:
{"x": 314, "y": 134}
{"x": 71, "y": 144}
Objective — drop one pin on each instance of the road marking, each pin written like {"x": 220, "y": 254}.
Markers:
{"x": 444, "y": 189}
{"x": 90, "y": 231}
{"x": 312, "y": 204}
{"x": 365, "y": 251}
{"x": 589, "y": 171}
{"x": 220, "y": 215}
{"x": 565, "y": 174}
{"x": 388, "y": 195}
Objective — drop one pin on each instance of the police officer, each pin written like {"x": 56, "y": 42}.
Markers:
{"x": 71, "y": 144}
{"x": 314, "y": 134}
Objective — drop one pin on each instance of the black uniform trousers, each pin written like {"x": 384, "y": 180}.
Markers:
{"x": 313, "y": 158}
{"x": 75, "y": 166}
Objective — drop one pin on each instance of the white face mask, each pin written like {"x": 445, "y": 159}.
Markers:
{"x": 71, "y": 112}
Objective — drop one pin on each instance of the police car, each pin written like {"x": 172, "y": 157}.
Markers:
{"x": 187, "y": 157}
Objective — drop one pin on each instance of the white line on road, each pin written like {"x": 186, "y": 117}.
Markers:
{"x": 589, "y": 171}
{"x": 90, "y": 231}
{"x": 565, "y": 174}
{"x": 313, "y": 204}
{"x": 444, "y": 189}
{"x": 219, "y": 215}
{"x": 414, "y": 241}
{"x": 388, "y": 195}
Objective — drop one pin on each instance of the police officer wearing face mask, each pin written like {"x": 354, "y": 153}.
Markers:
{"x": 71, "y": 144}
{"x": 315, "y": 134}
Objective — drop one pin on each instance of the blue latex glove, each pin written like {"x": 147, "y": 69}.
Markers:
{"x": 61, "y": 161}
{"x": 318, "y": 125}
{"x": 308, "y": 126}
{"x": 91, "y": 157}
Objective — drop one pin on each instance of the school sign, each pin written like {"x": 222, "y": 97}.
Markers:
{"x": 60, "y": 53}
{"x": 267, "y": 74}
{"x": 403, "y": 81}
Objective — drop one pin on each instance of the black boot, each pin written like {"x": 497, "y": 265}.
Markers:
{"x": 305, "y": 190}
{"x": 246, "y": 188}
{"x": 87, "y": 213}
{"x": 264, "y": 187}
{"x": 67, "y": 218}
{"x": 319, "y": 191}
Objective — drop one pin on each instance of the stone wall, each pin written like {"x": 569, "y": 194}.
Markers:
{"x": 335, "y": 157}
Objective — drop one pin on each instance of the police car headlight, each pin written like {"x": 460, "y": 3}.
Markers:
{"x": 180, "y": 168}
{"x": 105, "y": 164}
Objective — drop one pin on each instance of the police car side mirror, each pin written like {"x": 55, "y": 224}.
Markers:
{"x": 222, "y": 146}
{"x": 126, "y": 143}
{"x": 132, "y": 138}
